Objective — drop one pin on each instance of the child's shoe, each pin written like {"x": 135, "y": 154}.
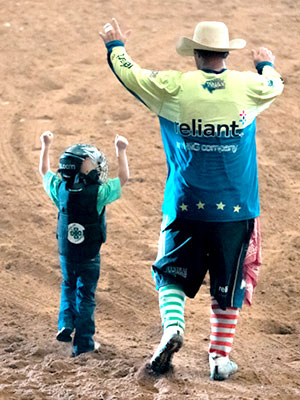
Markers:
{"x": 221, "y": 367}
{"x": 170, "y": 343}
{"x": 97, "y": 346}
{"x": 64, "y": 334}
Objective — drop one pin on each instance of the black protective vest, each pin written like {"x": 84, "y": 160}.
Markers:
{"x": 80, "y": 229}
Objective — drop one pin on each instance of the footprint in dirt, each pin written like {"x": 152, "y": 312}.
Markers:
{"x": 150, "y": 380}
{"x": 277, "y": 328}
{"x": 146, "y": 377}
{"x": 74, "y": 99}
{"x": 48, "y": 85}
{"x": 122, "y": 115}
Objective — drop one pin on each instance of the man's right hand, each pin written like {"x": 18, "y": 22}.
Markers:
{"x": 262, "y": 54}
{"x": 113, "y": 32}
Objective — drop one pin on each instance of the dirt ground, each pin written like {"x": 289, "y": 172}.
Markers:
{"x": 54, "y": 76}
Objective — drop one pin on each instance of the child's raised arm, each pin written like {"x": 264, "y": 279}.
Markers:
{"x": 121, "y": 144}
{"x": 46, "y": 139}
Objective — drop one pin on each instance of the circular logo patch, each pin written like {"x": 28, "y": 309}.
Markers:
{"x": 75, "y": 233}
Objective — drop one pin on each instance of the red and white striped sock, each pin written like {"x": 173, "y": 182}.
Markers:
{"x": 223, "y": 324}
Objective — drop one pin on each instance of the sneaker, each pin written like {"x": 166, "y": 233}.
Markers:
{"x": 97, "y": 346}
{"x": 170, "y": 343}
{"x": 64, "y": 334}
{"x": 221, "y": 367}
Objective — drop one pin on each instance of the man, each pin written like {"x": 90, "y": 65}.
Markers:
{"x": 207, "y": 119}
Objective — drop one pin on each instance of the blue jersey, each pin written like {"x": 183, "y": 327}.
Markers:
{"x": 208, "y": 124}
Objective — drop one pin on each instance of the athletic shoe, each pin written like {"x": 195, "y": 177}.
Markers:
{"x": 97, "y": 346}
{"x": 170, "y": 343}
{"x": 221, "y": 367}
{"x": 64, "y": 334}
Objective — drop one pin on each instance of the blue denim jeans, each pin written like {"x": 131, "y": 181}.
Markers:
{"x": 77, "y": 305}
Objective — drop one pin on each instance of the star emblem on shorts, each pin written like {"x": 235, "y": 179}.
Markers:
{"x": 220, "y": 206}
{"x": 236, "y": 209}
{"x": 200, "y": 205}
{"x": 183, "y": 207}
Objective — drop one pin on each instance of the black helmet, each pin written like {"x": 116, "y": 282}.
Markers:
{"x": 71, "y": 160}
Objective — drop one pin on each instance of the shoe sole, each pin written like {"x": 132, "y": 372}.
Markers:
{"x": 221, "y": 377}
{"x": 162, "y": 363}
{"x": 217, "y": 377}
{"x": 64, "y": 335}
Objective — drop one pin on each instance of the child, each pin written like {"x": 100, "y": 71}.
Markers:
{"x": 81, "y": 193}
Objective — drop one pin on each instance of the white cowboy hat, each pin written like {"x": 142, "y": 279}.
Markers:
{"x": 208, "y": 35}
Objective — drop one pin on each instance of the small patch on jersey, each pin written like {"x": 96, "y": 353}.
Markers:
{"x": 214, "y": 84}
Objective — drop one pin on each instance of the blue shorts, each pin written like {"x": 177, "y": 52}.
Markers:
{"x": 188, "y": 249}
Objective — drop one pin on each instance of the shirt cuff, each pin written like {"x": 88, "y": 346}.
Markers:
{"x": 112, "y": 44}
{"x": 260, "y": 66}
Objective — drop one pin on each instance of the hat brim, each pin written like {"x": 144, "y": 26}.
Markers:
{"x": 186, "y": 46}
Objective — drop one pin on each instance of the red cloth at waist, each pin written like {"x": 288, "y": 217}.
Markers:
{"x": 252, "y": 262}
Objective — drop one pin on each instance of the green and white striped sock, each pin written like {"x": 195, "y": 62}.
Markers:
{"x": 171, "y": 305}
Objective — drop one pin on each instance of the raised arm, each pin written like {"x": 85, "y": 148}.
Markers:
{"x": 121, "y": 144}
{"x": 113, "y": 32}
{"x": 263, "y": 55}
{"x": 46, "y": 139}
{"x": 152, "y": 88}
{"x": 266, "y": 87}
